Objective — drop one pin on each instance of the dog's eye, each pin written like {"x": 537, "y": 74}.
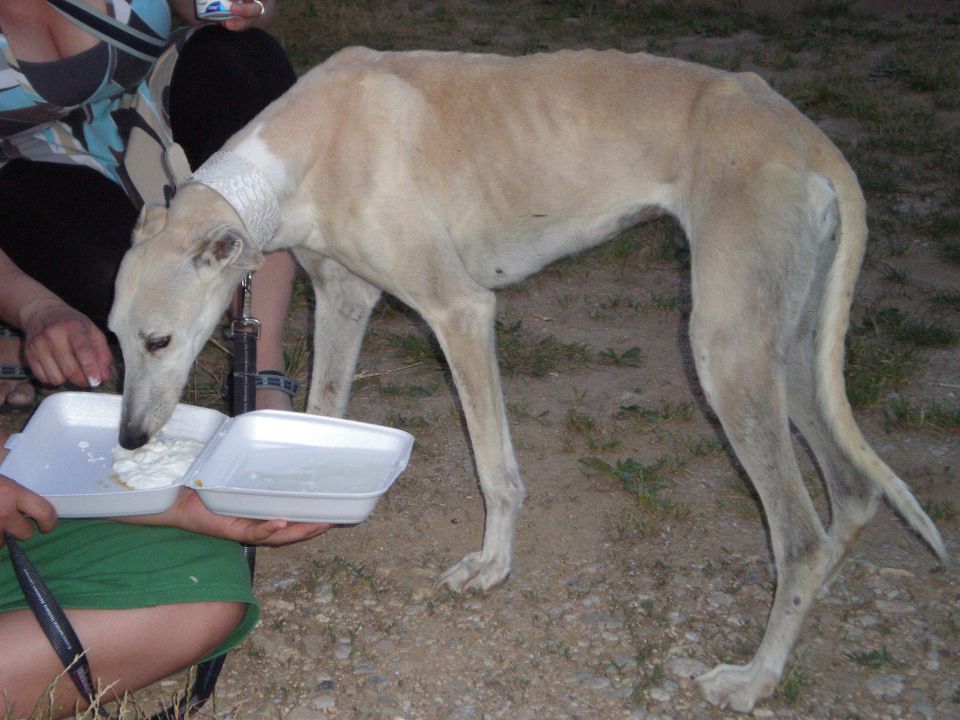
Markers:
{"x": 154, "y": 344}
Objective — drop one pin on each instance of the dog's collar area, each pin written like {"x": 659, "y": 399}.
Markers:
{"x": 240, "y": 183}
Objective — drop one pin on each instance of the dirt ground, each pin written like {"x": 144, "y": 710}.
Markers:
{"x": 616, "y": 598}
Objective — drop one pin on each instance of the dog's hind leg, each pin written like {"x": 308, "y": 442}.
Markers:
{"x": 343, "y": 305}
{"x": 748, "y": 265}
{"x": 853, "y": 496}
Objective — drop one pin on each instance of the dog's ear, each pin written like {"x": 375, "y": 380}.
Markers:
{"x": 151, "y": 220}
{"x": 225, "y": 247}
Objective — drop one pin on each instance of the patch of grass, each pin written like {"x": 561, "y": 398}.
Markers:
{"x": 929, "y": 67}
{"x": 631, "y": 357}
{"x": 520, "y": 412}
{"x": 949, "y": 298}
{"x": 906, "y": 128}
{"x": 644, "y": 482}
{"x": 668, "y": 302}
{"x": 408, "y": 391}
{"x": 411, "y": 423}
{"x": 916, "y": 331}
{"x": 791, "y": 685}
{"x": 519, "y": 353}
{"x": 942, "y": 510}
{"x": 873, "y": 659}
{"x": 700, "y": 446}
{"x": 621, "y": 247}
{"x": 619, "y": 302}
{"x": 877, "y": 174}
{"x": 883, "y": 351}
{"x": 417, "y": 348}
{"x": 950, "y": 249}
{"x": 669, "y": 245}
{"x": 840, "y": 93}
{"x": 667, "y": 410}
{"x": 893, "y": 275}
{"x": 901, "y": 413}
{"x": 580, "y": 424}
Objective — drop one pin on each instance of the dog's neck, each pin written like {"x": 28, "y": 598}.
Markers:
{"x": 246, "y": 189}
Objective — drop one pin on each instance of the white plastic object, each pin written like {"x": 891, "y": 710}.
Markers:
{"x": 263, "y": 464}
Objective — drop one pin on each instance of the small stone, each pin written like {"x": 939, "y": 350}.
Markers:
{"x": 892, "y": 572}
{"x": 303, "y": 713}
{"x": 323, "y": 594}
{"x": 686, "y": 667}
{"x": 888, "y": 687}
{"x": 324, "y": 701}
{"x": 342, "y": 651}
{"x": 893, "y": 607}
{"x": 661, "y": 695}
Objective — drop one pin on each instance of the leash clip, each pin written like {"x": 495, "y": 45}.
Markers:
{"x": 246, "y": 323}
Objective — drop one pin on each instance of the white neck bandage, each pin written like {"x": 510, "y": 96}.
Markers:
{"x": 246, "y": 188}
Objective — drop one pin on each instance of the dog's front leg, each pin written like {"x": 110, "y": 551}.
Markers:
{"x": 465, "y": 329}
{"x": 343, "y": 305}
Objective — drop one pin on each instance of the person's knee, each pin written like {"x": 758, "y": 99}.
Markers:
{"x": 221, "y": 81}
{"x": 223, "y": 618}
{"x": 252, "y": 54}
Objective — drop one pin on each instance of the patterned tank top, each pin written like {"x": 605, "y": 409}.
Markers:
{"x": 126, "y": 93}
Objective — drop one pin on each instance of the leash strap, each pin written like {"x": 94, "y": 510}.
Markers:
{"x": 244, "y": 331}
{"x": 128, "y": 39}
{"x": 53, "y": 621}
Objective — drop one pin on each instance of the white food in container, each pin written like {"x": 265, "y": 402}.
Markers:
{"x": 263, "y": 464}
{"x": 157, "y": 464}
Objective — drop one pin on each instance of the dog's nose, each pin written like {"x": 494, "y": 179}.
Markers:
{"x": 132, "y": 439}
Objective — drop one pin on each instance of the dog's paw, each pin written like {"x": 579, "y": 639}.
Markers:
{"x": 738, "y": 687}
{"x": 474, "y": 573}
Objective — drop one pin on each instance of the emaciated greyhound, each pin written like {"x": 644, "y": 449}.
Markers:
{"x": 439, "y": 177}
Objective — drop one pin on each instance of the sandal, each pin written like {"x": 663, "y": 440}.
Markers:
{"x": 14, "y": 371}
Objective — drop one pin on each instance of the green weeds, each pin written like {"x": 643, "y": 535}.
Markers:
{"x": 873, "y": 659}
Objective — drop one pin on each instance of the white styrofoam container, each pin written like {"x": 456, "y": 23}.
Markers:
{"x": 263, "y": 464}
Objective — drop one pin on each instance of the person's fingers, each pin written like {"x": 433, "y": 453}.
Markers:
{"x": 101, "y": 349}
{"x": 295, "y": 532}
{"x": 73, "y": 350}
{"x": 13, "y": 521}
{"x": 38, "y": 508}
{"x": 88, "y": 345}
{"x": 246, "y": 14}
{"x": 42, "y": 363}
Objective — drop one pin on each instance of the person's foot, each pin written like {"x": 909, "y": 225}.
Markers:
{"x": 17, "y": 392}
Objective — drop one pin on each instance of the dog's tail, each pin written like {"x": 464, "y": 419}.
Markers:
{"x": 831, "y": 390}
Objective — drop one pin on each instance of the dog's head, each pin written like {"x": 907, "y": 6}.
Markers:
{"x": 172, "y": 288}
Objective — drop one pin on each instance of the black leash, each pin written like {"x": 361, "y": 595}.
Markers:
{"x": 54, "y": 622}
{"x": 244, "y": 331}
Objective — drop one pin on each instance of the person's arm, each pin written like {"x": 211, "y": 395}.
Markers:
{"x": 189, "y": 513}
{"x": 246, "y": 12}
{"x": 60, "y": 344}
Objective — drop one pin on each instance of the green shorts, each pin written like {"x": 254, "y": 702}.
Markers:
{"x": 103, "y": 564}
